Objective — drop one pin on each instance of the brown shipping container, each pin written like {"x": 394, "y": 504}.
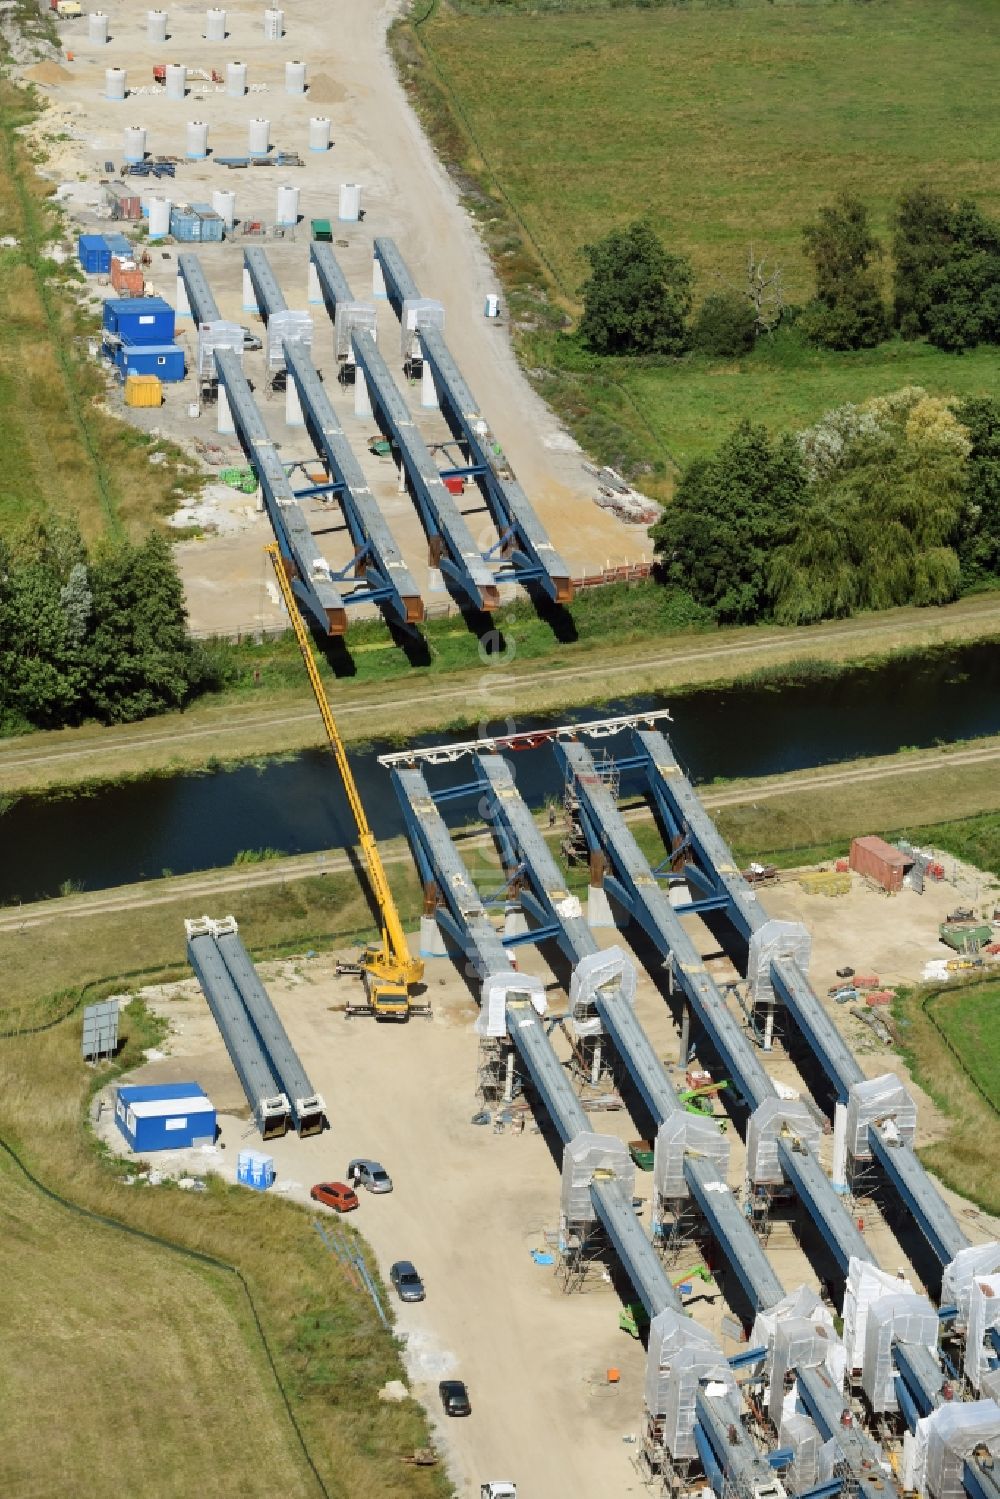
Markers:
{"x": 880, "y": 862}
{"x": 126, "y": 277}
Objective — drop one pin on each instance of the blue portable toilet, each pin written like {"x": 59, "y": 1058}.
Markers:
{"x": 254, "y": 1169}
{"x": 140, "y": 320}
{"x": 165, "y": 1116}
{"x": 164, "y": 360}
{"x": 95, "y": 254}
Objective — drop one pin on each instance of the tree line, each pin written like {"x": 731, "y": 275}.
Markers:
{"x": 101, "y": 636}
{"x": 945, "y": 285}
{"x": 893, "y": 501}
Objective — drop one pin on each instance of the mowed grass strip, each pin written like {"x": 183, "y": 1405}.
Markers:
{"x": 970, "y": 1022}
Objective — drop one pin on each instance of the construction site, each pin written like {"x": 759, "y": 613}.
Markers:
{"x": 653, "y": 1149}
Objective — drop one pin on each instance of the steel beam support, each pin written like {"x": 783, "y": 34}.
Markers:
{"x": 921, "y": 1373}
{"x": 529, "y": 551}
{"x": 825, "y": 1404}
{"x": 920, "y": 1196}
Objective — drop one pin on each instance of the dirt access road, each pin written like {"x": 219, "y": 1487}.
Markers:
{"x": 238, "y": 730}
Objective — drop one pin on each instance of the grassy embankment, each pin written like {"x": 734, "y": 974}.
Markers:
{"x": 62, "y": 452}
{"x": 728, "y": 125}
{"x": 153, "y": 1359}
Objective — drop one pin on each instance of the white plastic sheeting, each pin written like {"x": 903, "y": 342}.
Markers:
{"x": 951, "y": 1434}
{"x": 865, "y": 1284}
{"x": 800, "y": 1343}
{"x": 908, "y": 1319}
{"x": 875, "y": 1100}
{"x": 802, "y": 1435}
{"x": 600, "y": 970}
{"x": 681, "y": 1355}
{"x": 680, "y": 1135}
{"x": 351, "y": 317}
{"x": 800, "y": 1303}
{"x": 774, "y": 940}
{"x": 585, "y": 1157}
{"x": 498, "y": 989}
{"x": 773, "y": 1118}
{"x": 956, "y": 1282}
{"x": 984, "y": 1316}
{"x": 217, "y": 335}
{"x": 418, "y": 312}
{"x": 287, "y": 327}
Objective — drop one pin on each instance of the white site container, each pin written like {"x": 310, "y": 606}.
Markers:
{"x": 156, "y": 26}
{"x": 274, "y": 24}
{"x": 135, "y": 143}
{"x": 115, "y": 84}
{"x": 197, "y": 140}
{"x": 319, "y": 133}
{"x": 236, "y": 79}
{"x": 259, "y": 137}
{"x": 350, "y": 203}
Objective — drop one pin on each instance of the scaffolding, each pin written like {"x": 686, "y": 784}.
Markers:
{"x": 585, "y": 1256}
{"x": 677, "y": 1226}
{"x": 497, "y": 1079}
{"x": 574, "y": 845}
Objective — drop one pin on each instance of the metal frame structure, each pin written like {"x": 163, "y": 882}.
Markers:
{"x": 452, "y": 548}
{"x": 523, "y": 540}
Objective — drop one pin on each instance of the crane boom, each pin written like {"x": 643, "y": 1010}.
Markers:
{"x": 391, "y": 968}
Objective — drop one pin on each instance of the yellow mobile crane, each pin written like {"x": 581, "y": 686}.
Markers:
{"x": 389, "y": 971}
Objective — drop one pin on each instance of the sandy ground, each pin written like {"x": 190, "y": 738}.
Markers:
{"x": 405, "y": 192}
{"x": 469, "y": 1205}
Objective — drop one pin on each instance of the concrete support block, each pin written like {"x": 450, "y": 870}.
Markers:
{"x": 183, "y": 304}
{"x": 378, "y": 280}
{"x": 314, "y": 293}
{"x": 598, "y": 907}
{"x": 428, "y": 390}
{"x": 362, "y": 400}
{"x": 432, "y": 944}
{"x": 839, "y": 1171}
{"x": 515, "y": 923}
{"x": 224, "y": 416}
{"x": 249, "y": 295}
{"x": 293, "y": 406}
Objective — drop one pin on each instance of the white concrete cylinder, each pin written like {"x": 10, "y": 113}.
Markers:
{"x": 274, "y": 24}
{"x": 215, "y": 25}
{"x": 115, "y": 84}
{"x": 197, "y": 140}
{"x": 236, "y": 79}
{"x": 295, "y": 77}
{"x": 288, "y": 204}
{"x": 224, "y": 203}
{"x": 159, "y": 217}
{"x": 97, "y": 28}
{"x": 176, "y": 80}
{"x": 135, "y": 142}
{"x": 156, "y": 26}
{"x": 319, "y": 133}
{"x": 350, "y": 202}
{"x": 259, "y": 137}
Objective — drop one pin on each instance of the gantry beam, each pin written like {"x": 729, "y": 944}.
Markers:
{"x": 312, "y": 577}
{"x": 712, "y": 867}
{"x": 523, "y": 540}
{"x": 451, "y": 544}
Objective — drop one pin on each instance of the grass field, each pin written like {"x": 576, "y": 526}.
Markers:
{"x": 61, "y": 451}
{"x": 728, "y": 125}
{"x": 970, "y": 1022}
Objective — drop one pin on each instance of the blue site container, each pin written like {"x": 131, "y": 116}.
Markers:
{"x": 141, "y": 320}
{"x": 95, "y": 254}
{"x": 166, "y": 1116}
{"x": 164, "y": 360}
{"x": 196, "y": 225}
{"x": 120, "y": 246}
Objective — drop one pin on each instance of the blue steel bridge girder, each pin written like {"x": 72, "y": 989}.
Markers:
{"x": 672, "y": 789}
{"x": 375, "y": 547}
{"x": 980, "y": 1481}
{"x": 651, "y": 907}
{"x": 270, "y": 298}
{"x": 204, "y": 308}
{"x": 311, "y": 576}
{"x": 529, "y": 551}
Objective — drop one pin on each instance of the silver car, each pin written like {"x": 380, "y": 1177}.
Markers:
{"x": 371, "y": 1175}
{"x": 404, "y": 1277}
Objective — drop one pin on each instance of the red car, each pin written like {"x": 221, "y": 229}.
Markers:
{"x": 336, "y": 1195}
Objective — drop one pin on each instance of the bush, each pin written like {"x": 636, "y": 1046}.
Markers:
{"x": 725, "y": 326}
{"x": 847, "y": 311}
{"x": 638, "y": 296}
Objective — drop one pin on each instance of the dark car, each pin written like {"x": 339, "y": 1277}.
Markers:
{"x": 336, "y": 1195}
{"x": 454, "y": 1398}
{"x": 404, "y": 1277}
